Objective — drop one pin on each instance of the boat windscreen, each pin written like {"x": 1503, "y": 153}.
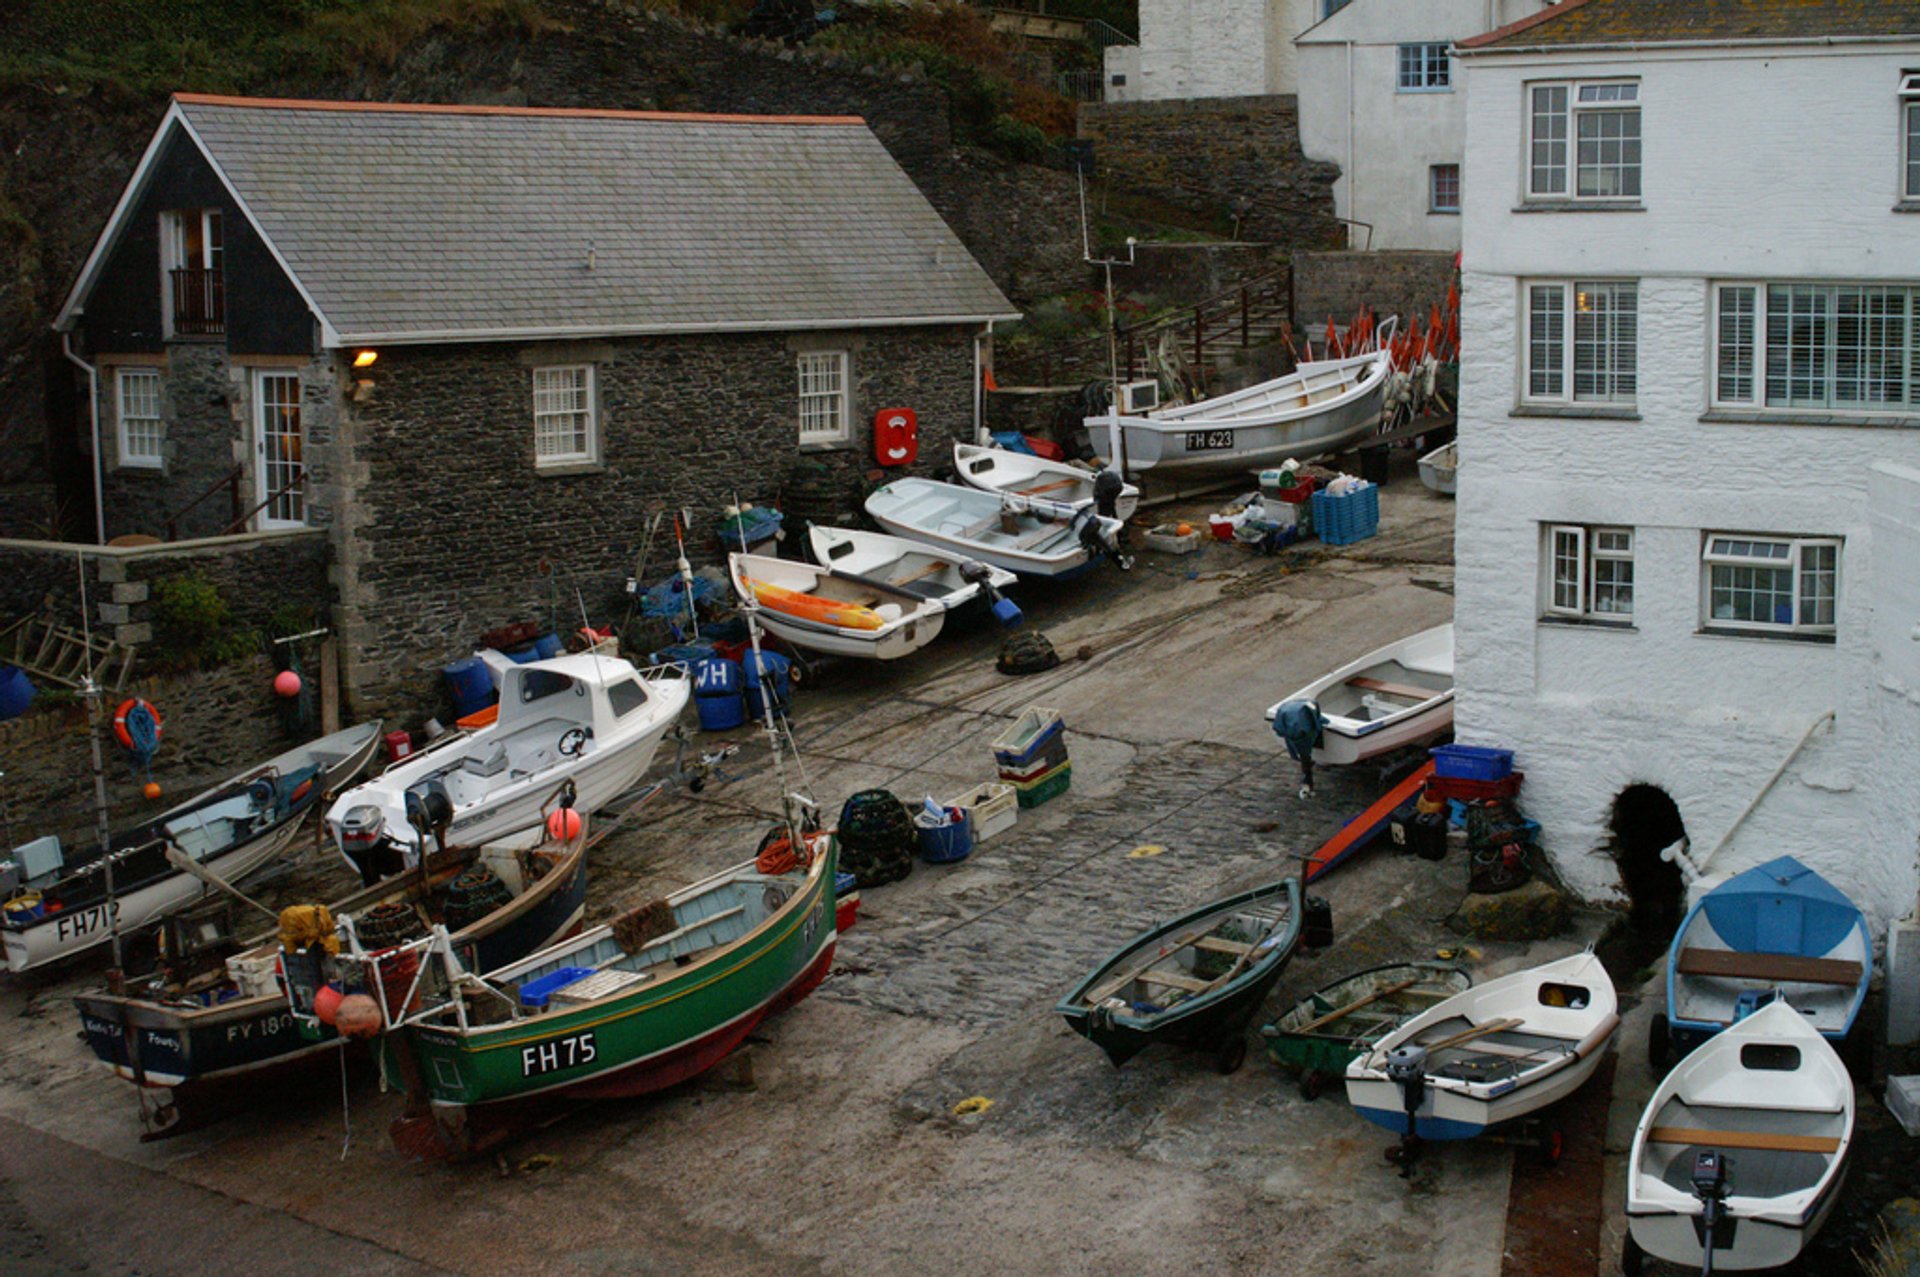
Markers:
{"x": 539, "y": 684}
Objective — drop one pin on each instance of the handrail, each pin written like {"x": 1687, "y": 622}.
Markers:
{"x": 1700, "y": 865}
{"x": 231, "y": 482}
{"x": 240, "y": 522}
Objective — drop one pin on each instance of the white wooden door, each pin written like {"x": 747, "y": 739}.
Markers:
{"x": 278, "y": 453}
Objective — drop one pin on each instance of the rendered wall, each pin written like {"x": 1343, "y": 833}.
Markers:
{"x": 1217, "y": 48}
{"x": 1707, "y": 718}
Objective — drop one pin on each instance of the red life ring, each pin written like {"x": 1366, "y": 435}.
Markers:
{"x": 120, "y": 732}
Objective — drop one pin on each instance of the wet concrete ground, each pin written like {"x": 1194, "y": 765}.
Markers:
{"x": 832, "y": 1145}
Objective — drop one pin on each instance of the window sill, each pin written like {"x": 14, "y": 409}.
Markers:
{"x": 1907, "y": 206}
{"x": 563, "y": 469}
{"x": 1581, "y": 412}
{"x": 1588, "y": 623}
{"x": 196, "y": 339}
{"x": 158, "y": 469}
{"x": 1764, "y": 636}
{"x": 1755, "y": 417}
{"x": 1579, "y": 206}
{"x": 1443, "y": 212}
{"x": 828, "y": 445}
{"x": 1436, "y": 88}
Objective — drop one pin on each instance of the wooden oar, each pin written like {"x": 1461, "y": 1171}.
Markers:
{"x": 182, "y": 861}
{"x": 879, "y": 587}
{"x": 1467, "y": 1035}
{"x": 1351, "y": 1007}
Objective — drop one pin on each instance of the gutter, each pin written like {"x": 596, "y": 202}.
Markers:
{"x": 587, "y": 331}
{"x": 93, "y": 411}
{"x": 1468, "y": 49}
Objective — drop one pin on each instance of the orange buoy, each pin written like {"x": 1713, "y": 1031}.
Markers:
{"x": 564, "y": 824}
{"x": 357, "y": 1017}
{"x": 286, "y": 683}
{"x": 151, "y": 790}
{"x": 1183, "y": 529}
{"x": 326, "y": 1004}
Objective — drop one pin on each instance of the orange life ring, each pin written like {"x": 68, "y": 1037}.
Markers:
{"x": 120, "y": 732}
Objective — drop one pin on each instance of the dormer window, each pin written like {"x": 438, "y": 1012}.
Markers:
{"x": 191, "y": 247}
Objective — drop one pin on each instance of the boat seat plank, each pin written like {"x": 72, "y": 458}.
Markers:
{"x": 1218, "y": 945}
{"x": 1772, "y": 1141}
{"x": 1468, "y": 1035}
{"x": 1174, "y": 980}
{"x": 1381, "y": 685}
{"x": 1044, "y": 488}
{"x": 1789, "y": 967}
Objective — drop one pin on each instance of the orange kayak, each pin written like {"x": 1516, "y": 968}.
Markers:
{"x": 848, "y": 616}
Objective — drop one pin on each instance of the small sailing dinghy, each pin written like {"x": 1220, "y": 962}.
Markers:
{"x": 1022, "y": 474}
{"x": 1778, "y": 931}
{"x": 1320, "y": 407}
{"x": 1397, "y": 695}
{"x": 1495, "y": 1053}
{"x": 825, "y": 609}
{"x": 1745, "y": 1142}
{"x": 1331, "y": 1027}
{"x": 591, "y": 719}
{"x": 1028, "y": 535}
{"x": 1440, "y": 469}
{"x": 204, "y": 1029}
{"x": 58, "y": 904}
{"x": 1197, "y": 981}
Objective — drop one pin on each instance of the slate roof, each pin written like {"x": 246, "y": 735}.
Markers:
{"x": 1598, "y": 22}
{"x": 404, "y": 223}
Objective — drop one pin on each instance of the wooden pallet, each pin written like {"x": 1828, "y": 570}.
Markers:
{"x": 54, "y": 654}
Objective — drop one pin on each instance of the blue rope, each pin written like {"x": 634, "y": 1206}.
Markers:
{"x": 143, "y": 729}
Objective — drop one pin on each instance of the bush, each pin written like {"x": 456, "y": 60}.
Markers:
{"x": 1016, "y": 139}
{"x": 193, "y": 624}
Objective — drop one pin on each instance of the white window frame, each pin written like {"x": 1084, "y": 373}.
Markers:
{"x": 1556, "y": 149}
{"x": 174, "y": 252}
{"x": 1910, "y": 135}
{"x": 1561, "y": 321}
{"x": 551, "y": 421}
{"x": 133, "y": 455}
{"x": 1424, "y": 66}
{"x": 1433, "y": 189}
{"x": 830, "y": 402}
{"x": 1578, "y": 546}
{"x": 1737, "y": 550}
{"x": 1797, "y": 347}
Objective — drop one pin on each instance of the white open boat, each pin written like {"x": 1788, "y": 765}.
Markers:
{"x": 1028, "y": 535}
{"x": 913, "y": 566}
{"x": 1497, "y": 1052}
{"x": 1320, "y": 407}
{"x": 57, "y": 905}
{"x": 1397, "y": 695}
{"x": 1025, "y": 475}
{"x": 1772, "y": 1100}
{"x": 592, "y": 719}
{"x": 826, "y": 609}
{"x": 1440, "y": 469}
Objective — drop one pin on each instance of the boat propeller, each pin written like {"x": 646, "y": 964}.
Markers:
{"x": 1407, "y": 1070}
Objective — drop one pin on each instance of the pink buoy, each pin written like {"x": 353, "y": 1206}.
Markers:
{"x": 326, "y": 1002}
{"x": 286, "y": 683}
{"x": 564, "y": 824}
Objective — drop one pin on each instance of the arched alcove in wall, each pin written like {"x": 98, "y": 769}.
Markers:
{"x": 1645, "y": 822}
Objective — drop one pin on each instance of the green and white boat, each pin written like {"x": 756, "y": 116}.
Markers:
{"x": 607, "y": 1014}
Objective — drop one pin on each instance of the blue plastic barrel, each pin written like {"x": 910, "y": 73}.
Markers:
{"x": 548, "y": 646}
{"x": 470, "y": 684}
{"x": 716, "y": 694}
{"x": 775, "y": 671}
{"x": 946, "y": 842}
{"x": 16, "y": 693}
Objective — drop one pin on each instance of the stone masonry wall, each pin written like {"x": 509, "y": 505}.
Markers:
{"x": 1220, "y": 157}
{"x": 445, "y": 523}
{"x": 1337, "y": 285}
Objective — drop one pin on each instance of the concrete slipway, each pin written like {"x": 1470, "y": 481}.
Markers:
{"x": 832, "y": 1146}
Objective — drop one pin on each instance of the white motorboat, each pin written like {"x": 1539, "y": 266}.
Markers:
{"x": 1745, "y": 1140}
{"x": 829, "y": 610}
{"x": 1025, "y": 475}
{"x": 589, "y": 718}
{"x": 913, "y": 566}
{"x": 57, "y": 905}
{"x": 1320, "y": 407}
{"x": 1440, "y": 469}
{"x": 1398, "y": 695}
{"x": 1497, "y": 1052}
{"x": 1028, "y": 535}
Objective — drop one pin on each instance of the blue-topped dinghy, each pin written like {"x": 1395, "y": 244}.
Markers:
{"x": 1777, "y": 931}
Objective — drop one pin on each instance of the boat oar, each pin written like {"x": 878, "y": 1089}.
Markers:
{"x": 186, "y": 864}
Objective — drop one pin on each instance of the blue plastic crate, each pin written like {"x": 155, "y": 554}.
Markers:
{"x": 534, "y": 993}
{"x": 1346, "y": 519}
{"x": 1472, "y": 762}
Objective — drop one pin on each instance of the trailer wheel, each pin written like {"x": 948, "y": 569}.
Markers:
{"x": 1310, "y": 1083}
{"x": 1659, "y": 1046}
{"x": 1231, "y": 1054}
{"x": 1632, "y": 1258}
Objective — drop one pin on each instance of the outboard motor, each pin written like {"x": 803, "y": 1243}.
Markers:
{"x": 1106, "y": 493}
{"x": 1005, "y": 610}
{"x": 1298, "y": 724}
{"x": 1407, "y": 1070}
{"x": 1086, "y": 526}
{"x": 1712, "y": 1181}
{"x": 360, "y": 834}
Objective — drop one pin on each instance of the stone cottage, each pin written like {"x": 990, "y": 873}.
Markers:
{"x": 482, "y": 346}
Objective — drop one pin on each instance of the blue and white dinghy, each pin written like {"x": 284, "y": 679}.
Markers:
{"x": 1027, "y": 535}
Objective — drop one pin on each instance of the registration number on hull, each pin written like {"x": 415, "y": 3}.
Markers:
{"x": 1209, "y": 440}
{"x": 569, "y": 1052}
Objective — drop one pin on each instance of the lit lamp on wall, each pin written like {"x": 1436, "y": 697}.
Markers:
{"x": 363, "y": 362}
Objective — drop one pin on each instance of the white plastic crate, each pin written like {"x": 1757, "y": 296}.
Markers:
{"x": 1903, "y": 1097}
{"x": 993, "y": 805}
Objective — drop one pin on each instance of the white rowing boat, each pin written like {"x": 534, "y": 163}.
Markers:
{"x": 1320, "y": 407}
{"x": 1028, "y": 535}
{"x": 1440, "y": 469}
{"x": 1754, "y": 1126}
{"x": 827, "y": 609}
{"x": 1025, "y": 475}
{"x": 1397, "y": 695}
{"x": 909, "y": 565}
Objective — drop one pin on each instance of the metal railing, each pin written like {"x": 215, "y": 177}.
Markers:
{"x": 231, "y": 482}
{"x": 199, "y": 301}
{"x": 240, "y": 522}
{"x": 1259, "y": 308}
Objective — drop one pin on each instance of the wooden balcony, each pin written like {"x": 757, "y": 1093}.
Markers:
{"x": 199, "y": 302}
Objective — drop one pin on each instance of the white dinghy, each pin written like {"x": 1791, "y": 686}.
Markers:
{"x": 1745, "y": 1140}
{"x": 1027, "y": 535}
{"x": 1320, "y": 407}
{"x": 1495, "y": 1053}
{"x": 1024, "y": 475}
{"x": 1440, "y": 469}
{"x": 828, "y": 610}
{"x": 908, "y": 565}
{"x": 1397, "y": 695}
{"x": 592, "y": 719}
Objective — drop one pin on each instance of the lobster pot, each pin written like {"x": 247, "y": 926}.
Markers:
{"x": 878, "y": 838}
{"x": 717, "y": 695}
{"x": 473, "y": 895}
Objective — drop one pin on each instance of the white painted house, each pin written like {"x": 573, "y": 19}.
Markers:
{"x": 1688, "y": 535}
{"x": 1211, "y": 49}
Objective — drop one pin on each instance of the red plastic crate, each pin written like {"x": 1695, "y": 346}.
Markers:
{"x": 1299, "y": 493}
{"x": 1444, "y": 787}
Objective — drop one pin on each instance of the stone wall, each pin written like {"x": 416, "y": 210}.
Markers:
{"x": 1221, "y": 158}
{"x": 446, "y": 523}
{"x": 1178, "y": 274}
{"x": 1337, "y": 285}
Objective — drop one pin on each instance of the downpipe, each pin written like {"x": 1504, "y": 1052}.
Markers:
{"x": 93, "y": 412}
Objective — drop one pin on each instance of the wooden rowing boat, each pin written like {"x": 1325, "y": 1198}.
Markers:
{"x": 828, "y": 609}
{"x": 1022, "y": 474}
{"x": 1328, "y": 1029}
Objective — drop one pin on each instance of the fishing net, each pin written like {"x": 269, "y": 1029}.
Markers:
{"x": 877, "y": 838}
{"x": 640, "y": 926}
{"x": 473, "y": 895}
{"x": 1027, "y": 652}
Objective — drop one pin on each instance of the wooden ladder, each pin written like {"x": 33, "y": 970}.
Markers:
{"x": 53, "y": 653}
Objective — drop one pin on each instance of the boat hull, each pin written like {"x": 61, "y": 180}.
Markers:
{"x": 1758, "y": 1244}
{"x": 1446, "y": 1114}
{"x": 1196, "y": 444}
{"x": 1341, "y": 744}
{"x": 1440, "y": 470}
{"x": 1351, "y": 735}
{"x": 998, "y": 470}
{"x": 871, "y": 645}
{"x": 963, "y": 522}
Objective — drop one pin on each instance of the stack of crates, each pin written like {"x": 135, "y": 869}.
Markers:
{"x": 1032, "y": 756}
{"x": 1345, "y": 519}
